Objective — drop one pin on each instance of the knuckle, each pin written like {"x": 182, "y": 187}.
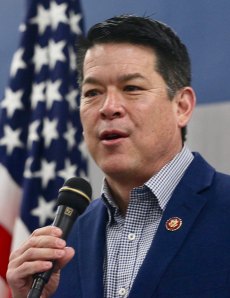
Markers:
{"x": 29, "y": 253}
{"x": 13, "y": 255}
{"x": 32, "y": 241}
{"x": 35, "y": 232}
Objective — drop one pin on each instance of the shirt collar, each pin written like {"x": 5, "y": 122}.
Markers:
{"x": 165, "y": 181}
{"x": 162, "y": 184}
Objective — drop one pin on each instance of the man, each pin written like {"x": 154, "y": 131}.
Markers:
{"x": 160, "y": 228}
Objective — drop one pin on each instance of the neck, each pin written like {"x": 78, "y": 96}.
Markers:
{"x": 121, "y": 193}
{"x": 120, "y": 185}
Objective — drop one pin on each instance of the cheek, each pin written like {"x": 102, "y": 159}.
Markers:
{"x": 85, "y": 119}
{"x": 162, "y": 120}
{"x": 88, "y": 124}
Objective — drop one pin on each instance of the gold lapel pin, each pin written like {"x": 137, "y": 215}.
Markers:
{"x": 173, "y": 224}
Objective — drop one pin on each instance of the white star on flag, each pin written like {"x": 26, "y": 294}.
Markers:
{"x": 40, "y": 57}
{"x": 42, "y": 19}
{"x": 47, "y": 172}
{"x": 11, "y": 139}
{"x": 69, "y": 135}
{"x": 12, "y": 101}
{"x": 18, "y": 62}
{"x": 38, "y": 94}
{"x": 74, "y": 22}
{"x": 49, "y": 131}
{"x": 53, "y": 93}
{"x": 56, "y": 52}
{"x": 33, "y": 133}
{"x": 71, "y": 98}
{"x": 72, "y": 57}
{"x": 58, "y": 14}
{"x": 44, "y": 210}
{"x": 27, "y": 171}
{"x": 68, "y": 171}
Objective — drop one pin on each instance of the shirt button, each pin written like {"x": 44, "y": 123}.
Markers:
{"x": 131, "y": 236}
{"x": 122, "y": 292}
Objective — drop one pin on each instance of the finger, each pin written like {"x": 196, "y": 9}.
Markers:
{"x": 27, "y": 269}
{"x": 30, "y": 268}
{"x": 36, "y": 260}
{"x": 36, "y": 254}
{"x": 48, "y": 230}
{"x": 44, "y": 237}
{"x": 69, "y": 254}
{"x": 52, "y": 249}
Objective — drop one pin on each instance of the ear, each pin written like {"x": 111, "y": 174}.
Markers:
{"x": 185, "y": 100}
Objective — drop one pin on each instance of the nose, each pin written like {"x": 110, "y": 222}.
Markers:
{"x": 112, "y": 106}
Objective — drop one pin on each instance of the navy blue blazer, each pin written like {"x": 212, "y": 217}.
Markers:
{"x": 191, "y": 262}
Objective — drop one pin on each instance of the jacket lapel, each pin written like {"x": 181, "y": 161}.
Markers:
{"x": 186, "y": 204}
{"x": 91, "y": 246}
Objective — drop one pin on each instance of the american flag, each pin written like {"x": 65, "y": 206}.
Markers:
{"x": 40, "y": 132}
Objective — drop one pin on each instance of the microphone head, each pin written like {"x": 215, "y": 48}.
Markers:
{"x": 75, "y": 193}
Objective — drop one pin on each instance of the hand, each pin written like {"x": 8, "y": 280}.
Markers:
{"x": 34, "y": 256}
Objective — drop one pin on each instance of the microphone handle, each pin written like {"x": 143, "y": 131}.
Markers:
{"x": 64, "y": 219}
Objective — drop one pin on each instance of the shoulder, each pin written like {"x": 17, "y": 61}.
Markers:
{"x": 222, "y": 179}
{"x": 221, "y": 186}
{"x": 200, "y": 168}
{"x": 203, "y": 179}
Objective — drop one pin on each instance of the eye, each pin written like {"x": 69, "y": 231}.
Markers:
{"x": 91, "y": 93}
{"x": 132, "y": 88}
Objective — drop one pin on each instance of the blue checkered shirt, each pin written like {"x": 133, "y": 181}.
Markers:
{"x": 128, "y": 238}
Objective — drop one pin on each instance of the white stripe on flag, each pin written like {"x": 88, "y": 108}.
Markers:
{"x": 21, "y": 233}
{"x": 10, "y": 199}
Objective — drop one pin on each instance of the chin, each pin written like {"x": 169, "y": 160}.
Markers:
{"x": 113, "y": 169}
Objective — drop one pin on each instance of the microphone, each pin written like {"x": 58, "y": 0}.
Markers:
{"x": 74, "y": 196}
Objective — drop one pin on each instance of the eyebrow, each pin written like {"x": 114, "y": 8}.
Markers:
{"x": 121, "y": 79}
{"x": 90, "y": 80}
{"x": 131, "y": 76}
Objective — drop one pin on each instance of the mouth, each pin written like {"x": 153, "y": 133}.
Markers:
{"x": 112, "y": 135}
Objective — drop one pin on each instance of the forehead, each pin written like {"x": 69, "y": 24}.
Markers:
{"x": 118, "y": 55}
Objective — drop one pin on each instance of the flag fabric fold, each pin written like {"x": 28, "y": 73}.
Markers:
{"x": 41, "y": 141}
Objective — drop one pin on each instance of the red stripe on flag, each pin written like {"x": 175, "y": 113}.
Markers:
{"x": 4, "y": 250}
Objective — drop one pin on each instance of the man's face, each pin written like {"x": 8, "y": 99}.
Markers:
{"x": 131, "y": 127}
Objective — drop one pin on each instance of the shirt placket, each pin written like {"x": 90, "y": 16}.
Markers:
{"x": 128, "y": 252}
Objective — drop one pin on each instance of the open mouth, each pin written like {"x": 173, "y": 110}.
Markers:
{"x": 108, "y": 136}
{"x": 112, "y": 137}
